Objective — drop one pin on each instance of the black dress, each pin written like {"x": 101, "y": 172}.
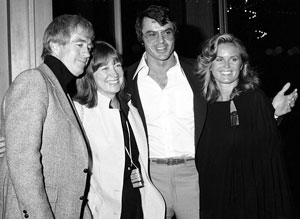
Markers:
{"x": 241, "y": 169}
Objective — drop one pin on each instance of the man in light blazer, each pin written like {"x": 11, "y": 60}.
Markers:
{"x": 46, "y": 168}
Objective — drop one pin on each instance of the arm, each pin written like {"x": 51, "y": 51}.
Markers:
{"x": 283, "y": 103}
{"x": 25, "y": 111}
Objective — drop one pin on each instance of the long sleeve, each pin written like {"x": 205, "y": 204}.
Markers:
{"x": 25, "y": 112}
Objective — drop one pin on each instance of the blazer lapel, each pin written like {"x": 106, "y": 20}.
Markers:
{"x": 71, "y": 114}
{"x": 60, "y": 95}
{"x": 139, "y": 134}
{"x": 133, "y": 91}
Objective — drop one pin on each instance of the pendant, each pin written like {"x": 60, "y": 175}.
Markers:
{"x": 136, "y": 178}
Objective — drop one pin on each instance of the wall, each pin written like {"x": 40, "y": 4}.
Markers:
{"x": 22, "y": 26}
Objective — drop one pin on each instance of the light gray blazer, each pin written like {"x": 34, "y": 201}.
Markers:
{"x": 43, "y": 173}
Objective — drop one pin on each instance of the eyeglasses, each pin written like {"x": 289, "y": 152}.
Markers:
{"x": 153, "y": 35}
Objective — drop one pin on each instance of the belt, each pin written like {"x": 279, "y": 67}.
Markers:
{"x": 170, "y": 161}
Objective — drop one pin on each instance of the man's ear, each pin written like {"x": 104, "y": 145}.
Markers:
{"x": 54, "y": 48}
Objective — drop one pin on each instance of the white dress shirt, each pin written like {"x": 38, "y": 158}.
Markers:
{"x": 169, "y": 112}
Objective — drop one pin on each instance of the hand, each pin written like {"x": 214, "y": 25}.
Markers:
{"x": 283, "y": 104}
{"x": 2, "y": 146}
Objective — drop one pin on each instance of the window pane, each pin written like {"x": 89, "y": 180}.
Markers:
{"x": 271, "y": 31}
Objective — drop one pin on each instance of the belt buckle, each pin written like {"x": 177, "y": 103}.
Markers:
{"x": 172, "y": 161}
{"x": 169, "y": 161}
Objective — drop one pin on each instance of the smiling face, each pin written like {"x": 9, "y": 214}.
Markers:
{"x": 162, "y": 46}
{"x": 76, "y": 52}
{"x": 227, "y": 65}
{"x": 109, "y": 78}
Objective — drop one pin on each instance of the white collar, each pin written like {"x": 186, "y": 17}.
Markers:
{"x": 103, "y": 101}
{"x": 143, "y": 64}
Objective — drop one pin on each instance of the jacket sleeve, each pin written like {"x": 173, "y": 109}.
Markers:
{"x": 25, "y": 110}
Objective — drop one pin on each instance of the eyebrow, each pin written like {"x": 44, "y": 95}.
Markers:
{"x": 160, "y": 30}
{"x": 234, "y": 56}
{"x": 80, "y": 40}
